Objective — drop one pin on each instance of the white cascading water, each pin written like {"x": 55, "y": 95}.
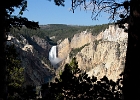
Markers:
{"x": 52, "y": 56}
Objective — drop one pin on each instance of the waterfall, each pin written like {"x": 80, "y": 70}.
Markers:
{"x": 53, "y": 56}
{"x": 52, "y": 53}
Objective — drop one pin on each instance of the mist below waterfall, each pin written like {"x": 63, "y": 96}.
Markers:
{"x": 53, "y": 56}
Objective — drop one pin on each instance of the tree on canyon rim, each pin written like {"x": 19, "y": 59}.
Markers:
{"x": 127, "y": 10}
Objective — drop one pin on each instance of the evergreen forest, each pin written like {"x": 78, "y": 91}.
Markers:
{"x": 58, "y": 31}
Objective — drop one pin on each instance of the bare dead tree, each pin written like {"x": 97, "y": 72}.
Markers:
{"x": 118, "y": 11}
{"x": 121, "y": 12}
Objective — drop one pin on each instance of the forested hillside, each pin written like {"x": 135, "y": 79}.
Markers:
{"x": 58, "y": 31}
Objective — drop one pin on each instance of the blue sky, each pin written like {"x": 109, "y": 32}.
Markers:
{"x": 46, "y": 12}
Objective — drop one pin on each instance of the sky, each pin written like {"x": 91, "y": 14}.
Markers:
{"x": 46, "y": 12}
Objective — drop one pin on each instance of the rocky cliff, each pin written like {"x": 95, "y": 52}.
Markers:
{"x": 34, "y": 56}
{"x": 99, "y": 55}
{"x": 64, "y": 48}
{"x": 104, "y": 54}
{"x": 77, "y": 41}
{"x": 81, "y": 39}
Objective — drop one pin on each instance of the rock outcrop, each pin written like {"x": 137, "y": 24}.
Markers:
{"x": 105, "y": 54}
{"x": 106, "y": 58}
{"x": 81, "y": 39}
{"x": 77, "y": 41}
{"x": 113, "y": 33}
{"x": 33, "y": 53}
{"x": 64, "y": 48}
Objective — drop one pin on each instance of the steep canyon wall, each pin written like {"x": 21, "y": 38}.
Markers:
{"x": 104, "y": 54}
{"x": 99, "y": 55}
{"x": 33, "y": 52}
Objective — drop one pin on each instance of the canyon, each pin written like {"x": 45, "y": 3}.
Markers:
{"x": 98, "y": 55}
{"x": 103, "y": 54}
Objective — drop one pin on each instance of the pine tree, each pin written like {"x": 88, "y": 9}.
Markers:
{"x": 76, "y": 85}
{"x": 15, "y": 73}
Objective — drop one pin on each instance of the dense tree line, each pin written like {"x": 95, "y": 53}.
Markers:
{"x": 60, "y": 31}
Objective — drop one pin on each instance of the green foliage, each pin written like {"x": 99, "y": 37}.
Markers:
{"x": 76, "y": 85}
{"x": 60, "y": 31}
{"x": 99, "y": 28}
{"x": 13, "y": 20}
{"x": 15, "y": 77}
{"x": 74, "y": 65}
{"x": 14, "y": 69}
{"x": 97, "y": 42}
{"x": 76, "y": 50}
{"x": 59, "y": 2}
{"x": 15, "y": 73}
